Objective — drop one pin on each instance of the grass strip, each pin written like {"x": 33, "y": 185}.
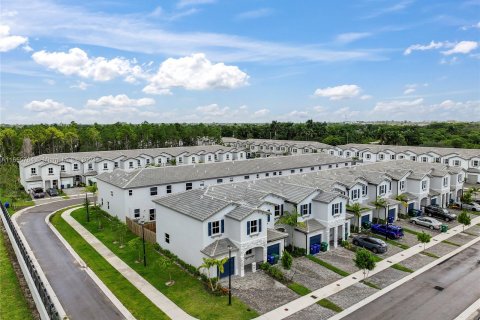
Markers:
{"x": 129, "y": 295}
{"x": 402, "y": 268}
{"x": 407, "y": 230}
{"x": 452, "y": 243}
{"x": 429, "y": 254}
{"x": 328, "y": 266}
{"x": 392, "y": 242}
{"x": 470, "y": 233}
{"x": 298, "y": 288}
{"x": 13, "y": 305}
{"x": 370, "y": 284}
{"x": 188, "y": 292}
{"x": 330, "y": 305}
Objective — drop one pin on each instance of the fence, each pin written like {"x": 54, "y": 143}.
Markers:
{"x": 39, "y": 285}
{"x": 149, "y": 229}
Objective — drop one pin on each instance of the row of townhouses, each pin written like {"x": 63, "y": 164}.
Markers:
{"x": 129, "y": 193}
{"x": 207, "y": 217}
{"x": 65, "y": 170}
{"x": 266, "y": 148}
{"x": 468, "y": 159}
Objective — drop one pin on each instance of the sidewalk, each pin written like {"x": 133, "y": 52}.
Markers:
{"x": 157, "y": 298}
{"x": 324, "y": 292}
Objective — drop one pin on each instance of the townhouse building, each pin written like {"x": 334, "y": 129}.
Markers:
{"x": 267, "y": 147}
{"x": 468, "y": 159}
{"x": 129, "y": 193}
{"x": 65, "y": 170}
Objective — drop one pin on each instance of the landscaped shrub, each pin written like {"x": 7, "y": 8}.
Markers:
{"x": 296, "y": 252}
{"x": 287, "y": 260}
{"x": 346, "y": 244}
{"x": 274, "y": 272}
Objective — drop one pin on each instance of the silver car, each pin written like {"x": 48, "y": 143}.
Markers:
{"x": 427, "y": 222}
{"x": 471, "y": 206}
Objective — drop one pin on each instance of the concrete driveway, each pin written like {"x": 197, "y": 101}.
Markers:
{"x": 79, "y": 295}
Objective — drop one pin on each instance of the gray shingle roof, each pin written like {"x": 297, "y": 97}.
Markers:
{"x": 290, "y": 143}
{"x": 193, "y": 203}
{"x": 274, "y": 235}
{"x": 327, "y": 197}
{"x": 114, "y": 154}
{"x": 311, "y": 225}
{"x": 218, "y": 247}
{"x": 241, "y": 212}
{"x": 165, "y": 175}
{"x": 34, "y": 178}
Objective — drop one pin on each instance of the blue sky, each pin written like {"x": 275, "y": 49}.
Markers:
{"x": 239, "y": 61}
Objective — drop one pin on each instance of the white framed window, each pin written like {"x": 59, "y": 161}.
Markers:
{"x": 424, "y": 159}
{"x": 292, "y": 171}
{"x": 115, "y": 164}
{"x": 167, "y": 238}
{"x": 437, "y": 160}
{"x": 456, "y": 163}
{"x": 475, "y": 163}
{"x": 130, "y": 192}
{"x": 227, "y": 156}
{"x": 305, "y": 209}
{"x": 460, "y": 178}
{"x": 50, "y": 170}
{"x": 402, "y": 185}
{"x": 194, "y": 160}
{"x": 152, "y": 214}
{"x": 130, "y": 164}
{"x": 392, "y": 157}
{"x": 355, "y": 194}
{"x": 337, "y": 208}
{"x": 382, "y": 189}
{"x": 75, "y": 166}
{"x": 62, "y": 167}
{"x": 90, "y": 166}
{"x": 445, "y": 161}
{"x": 231, "y": 179}
{"x": 381, "y": 156}
{"x": 105, "y": 166}
{"x": 136, "y": 213}
{"x": 169, "y": 188}
{"x": 209, "y": 158}
{"x": 253, "y": 224}
{"x": 424, "y": 185}
{"x": 364, "y": 190}
{"x": 445, "y": 181}
{"x": 153, "y": 191}
{"x": 246, "y": 177}
{"x": 368, "y": 156}
{"x": 111, "y": 193}
{"x": 215, "y": 228}
{"x": 414, "y": 158}
{"x": 219, "y": 180}
{"x": 139, "y": 163}
{"x": 188, "y": 186}
{"x": 278, "y": 210}
{"x": 33, "y": 171}
{"x": 147, "y": 161}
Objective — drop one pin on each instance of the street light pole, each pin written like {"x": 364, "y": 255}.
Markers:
{"x": 386, "y": 221}
{"x": 87, "y": 205}
{"x": 229, "y": 276}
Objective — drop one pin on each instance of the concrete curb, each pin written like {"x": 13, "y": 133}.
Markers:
{"x": 123, "y": 310}
{"x": 470, "y": 312}
{"x": 303, "y": 302}
{"x": 409, "y": 277}
{"x": 150, "y": 292}
{"x": 48, "y": 287}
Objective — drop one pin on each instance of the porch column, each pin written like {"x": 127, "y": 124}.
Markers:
{"x": 327, "y": 238}
{"x": 242, "y": 265}
{"x": 343, "y": 231}
{"x": 335, "y": 237}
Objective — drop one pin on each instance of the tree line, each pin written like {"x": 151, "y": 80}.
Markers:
{"x": 28, "y": 140}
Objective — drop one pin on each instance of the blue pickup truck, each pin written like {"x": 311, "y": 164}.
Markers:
{"x": 391, "y": 231}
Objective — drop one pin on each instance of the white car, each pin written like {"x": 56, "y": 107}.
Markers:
{"x": 426, "y": 222}
{"x": 471, "y": 206}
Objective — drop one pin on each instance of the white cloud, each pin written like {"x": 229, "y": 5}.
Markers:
{"x": 473, "y": 26}
{"x": 345, "y": 38}
{"x": 398, "y": 106}
{"x": 48, "y": 105}
{"x": 190, "y": 3}
{"x": 420, "y": 47}
{"x": 463, "y": 47}
{"x": 255, "y": 14}
{"x": 366, "y": 97}
{"x": 409, "y": 90}
{"x": 261, "y": 113}
{"x": 213, "y": 110}
{"x": 80, "y": 85}
{"x": 339, "y": 92}
{"x": 9, "y": 42}
{"x": 49, "y": 81}
{"x": 400, "y": 6}
{"x": 195, "y": 72}
{"x": 77, "y": 62}
{"x": 119, "y": 101}
{"x": 297, "y": 114}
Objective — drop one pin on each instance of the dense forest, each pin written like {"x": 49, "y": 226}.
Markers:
{"x": 27, "y": 140}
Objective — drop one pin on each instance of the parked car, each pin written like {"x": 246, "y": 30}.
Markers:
{"x": 52, "y": 192}
{"x": 373, "y": 244}
{"x": 390, "y": 230}
{"x": 38, "y": 193}
{"x": 471, "y": 206}
{"x": 431, "y": 223}
{"x": 415, "y": 213}
{"x": 437, "y": 211}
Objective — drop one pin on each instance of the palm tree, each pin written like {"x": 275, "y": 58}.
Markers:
{"x": 291, "y": 220}
{"x": 403, "y": 200}
{"x": 380, "y": 203}
{"x": 208, "y": 264}
{"x": 357, "y": 210}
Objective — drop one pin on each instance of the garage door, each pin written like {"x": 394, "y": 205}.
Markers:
{"x": 32, "y": 185}
{"x": 433, "y": 201}
{"x": 391, "y": 215}
{"x": 365, "y": 219}
{"x": 228, "y": 267}
{"x": 315, "y": 240}
{"x": 411, "y": 206}
{"x": 273, "y": 249}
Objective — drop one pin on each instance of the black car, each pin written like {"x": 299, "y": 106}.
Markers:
{"x": 38, "y": 193}
{"x": 52, "y": 192}
{"x": 437, "y": 211}
{"x": 373, "y": 244}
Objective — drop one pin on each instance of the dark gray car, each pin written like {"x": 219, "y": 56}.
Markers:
{"x": 373, "y": 244}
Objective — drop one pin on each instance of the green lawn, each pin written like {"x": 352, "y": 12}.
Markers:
{"x": 188, "y": 292}
{"x": 131, "y": 297}
{"x": 303, "y": 291}
{"x": 13, "y": 305}
{"x": 327, "y": 265}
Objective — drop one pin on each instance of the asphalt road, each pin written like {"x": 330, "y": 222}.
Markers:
{"x": 79, "y": 295}
{"x": 441, "y": 293}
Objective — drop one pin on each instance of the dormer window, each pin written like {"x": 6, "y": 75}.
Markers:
{"x": 50, "y": 170}
{"x": 306, "y": 209}
{"x": 90, "y": 166}
{"x": 355, "y": 194}
{"x": 105, "y": 166}
{"x": 216, "y": 227}
{"x": 382, "y": 189}
{"x": 337, "y": 208}
{"x": 130, "y": 164}
{"x": 75, "y": 166}
{"x": 33, "y": 171}
{"x": 62, "y": 167}
{"x": 424, "y": 185}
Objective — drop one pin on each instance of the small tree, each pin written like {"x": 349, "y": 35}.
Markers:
{"x": 424, "y": 238}
{"x": 208, "y": 265}
{"x": 467, "y": 197}
{"x": 164, "y": 263}
{"x": 380, "y": 203}
{"x": 122, "y": 233}
{"x": 93, "y": 189}
{"x": 357, "y": 210}
{"x": 291, "y": 220}
{"x": 287, "y": 260}
{"x": 136, "y": 245}
{"x": 464, "y": 218}
{"x": 364, "y": 260}
{"x": 86, "y": 203}
{"x": 403, "y": 200}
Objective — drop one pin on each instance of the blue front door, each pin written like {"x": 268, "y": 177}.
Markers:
{"x": 411, "y": 206}
{"x": 365, "y": 219}
{"x": 315, "y": 240}
{"x": 433, "y": 201}
{"x": 228, "y": 267}
{"x": 273, "y": 249}
{"x": 391, "y": 215}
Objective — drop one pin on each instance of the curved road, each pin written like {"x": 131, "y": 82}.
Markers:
{"x": 79, "y": 295}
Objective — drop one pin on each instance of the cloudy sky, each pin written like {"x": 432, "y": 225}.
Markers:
{"x": 239, "y": 61}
